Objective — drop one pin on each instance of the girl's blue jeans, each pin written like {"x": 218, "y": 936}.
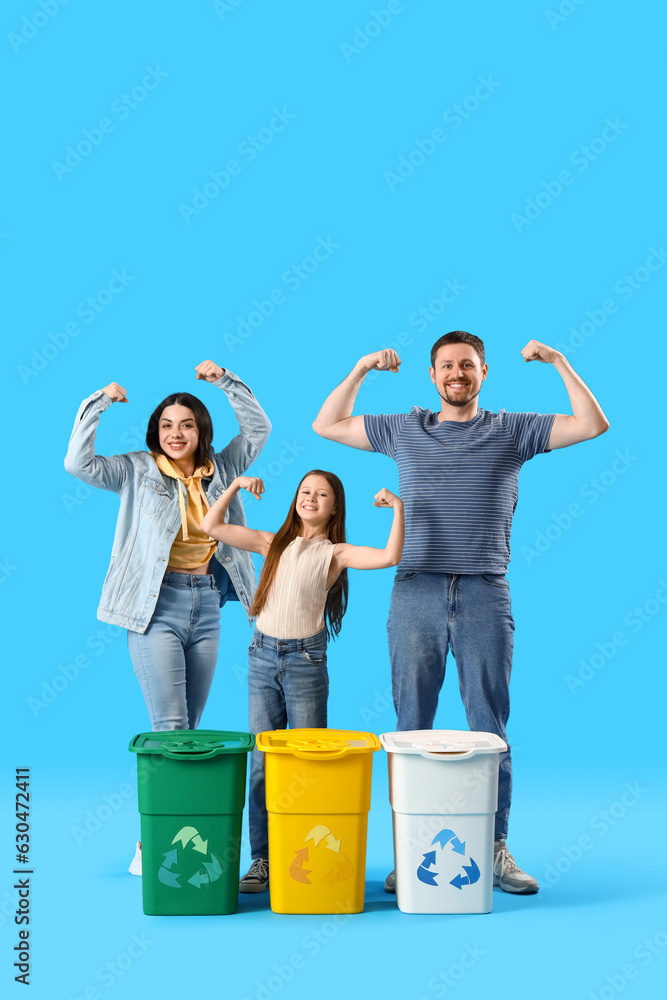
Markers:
{"x": 288, "y": 685}
{"x": 174, "y": 659}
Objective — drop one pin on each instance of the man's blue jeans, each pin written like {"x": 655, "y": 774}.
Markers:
{"x": 471, "y": 615}
{"x": 175, "y": 658}
{"x": 288, "y": 684}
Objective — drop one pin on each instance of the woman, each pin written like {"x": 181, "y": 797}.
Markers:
{"x": 167, "y": 579}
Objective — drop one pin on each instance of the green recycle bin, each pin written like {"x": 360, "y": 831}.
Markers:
{"x": 191, "y": 796}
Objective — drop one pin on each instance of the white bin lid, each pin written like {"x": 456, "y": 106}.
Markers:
{"x": 443, "y": 744}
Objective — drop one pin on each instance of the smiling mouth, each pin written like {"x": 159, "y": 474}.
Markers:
{"x": 457, "y": 385}
{"x": 176, "y": 445}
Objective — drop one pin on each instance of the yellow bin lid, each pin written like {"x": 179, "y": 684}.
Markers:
{"x": 317, "y": 744}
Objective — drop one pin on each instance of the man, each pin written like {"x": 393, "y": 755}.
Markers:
{"x": 458, "y": 474}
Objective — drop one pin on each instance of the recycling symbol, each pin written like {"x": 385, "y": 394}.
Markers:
{"x": 205, "y": 871}
{"x": 444, "y": 838}
{"x": 331, "y": 867}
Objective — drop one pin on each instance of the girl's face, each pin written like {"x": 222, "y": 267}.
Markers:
{"x": 178, "y": 432}
{"x": 315, "y": 501}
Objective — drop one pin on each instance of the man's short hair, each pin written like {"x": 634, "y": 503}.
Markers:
{"x": 458, "y": 337}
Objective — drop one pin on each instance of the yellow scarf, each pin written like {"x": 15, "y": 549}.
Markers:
{"x": 192, "y": 547}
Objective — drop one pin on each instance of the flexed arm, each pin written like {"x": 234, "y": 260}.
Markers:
{"x": 587, "y": 419}
{"x": 335, "y": 421}
{"x": 236, "y": 535}
{"x": 81, "y": 461}
{"x": 254, "y": 424}
{"x": 365, "y": 556}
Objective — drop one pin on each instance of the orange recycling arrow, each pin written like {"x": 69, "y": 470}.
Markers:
{"x": 342, "y": 871}
{"x": 298, "y": 873}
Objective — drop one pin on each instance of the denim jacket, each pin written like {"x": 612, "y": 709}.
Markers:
{"x": 149, "y": 516}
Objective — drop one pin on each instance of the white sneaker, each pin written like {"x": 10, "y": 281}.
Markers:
{"x": 508, "y": 875}
{"x": 135, "y": 863}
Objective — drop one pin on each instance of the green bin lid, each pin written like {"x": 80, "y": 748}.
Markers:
{"x": 192, "y": 744}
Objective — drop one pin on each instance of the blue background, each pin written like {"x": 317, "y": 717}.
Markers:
{"x": 359, "y": 101}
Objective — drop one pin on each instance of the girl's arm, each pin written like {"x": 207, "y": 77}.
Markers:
{"x": 366, "y": 557}
{"x": 236, "y": 535}
{"x": 112, "y": 473}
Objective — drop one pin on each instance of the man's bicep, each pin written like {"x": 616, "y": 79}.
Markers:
{"x": 350, "y": 431}
{"x": 564, "y": 431}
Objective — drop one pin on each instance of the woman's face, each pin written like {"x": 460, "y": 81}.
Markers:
{"x": 178, "y": 432}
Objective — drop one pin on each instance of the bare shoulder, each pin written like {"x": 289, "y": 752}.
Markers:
{"x": 341, "y": 551}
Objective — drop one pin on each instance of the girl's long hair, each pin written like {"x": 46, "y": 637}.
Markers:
{"x": 202, "y": 420}
{"x": 336, "y": 604}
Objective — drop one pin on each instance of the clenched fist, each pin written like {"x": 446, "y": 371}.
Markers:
{"x": 252, "y": 485}
{"x": 209, "y": 371}
{"x": 535, "y": 351}
{"x": 385, "y": 498}
{"x": 381, "y": 361}
{"x": 115, "y": 392}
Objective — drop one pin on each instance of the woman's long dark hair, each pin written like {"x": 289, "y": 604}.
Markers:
{"x": 202, "y": 420}
{"x": 336, "y": 604}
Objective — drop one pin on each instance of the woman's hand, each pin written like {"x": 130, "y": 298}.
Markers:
{"x": 209, "y": 371}
{"x": 115, "y": 392}
{"x": 385, "y": 498}
{"x": 254, "y": 486}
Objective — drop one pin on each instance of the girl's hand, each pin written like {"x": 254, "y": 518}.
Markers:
{"x": 385, "y": 498}
{"x": 209, "y": 371}
{"x": 115, "y": 392}
{"x": 254, "y": 486}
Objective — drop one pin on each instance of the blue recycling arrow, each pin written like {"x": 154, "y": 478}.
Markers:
{"x": 170, "y": 858}
{"x": 473, "y": 876}
{"x": 473, "y": 872}
{"x": 443, "y": 838}
{"x": 459, "y": 847}
{"x": 429, "y": 859}
{"x": 424, "y": 875}
{"x": 169, "y": 878}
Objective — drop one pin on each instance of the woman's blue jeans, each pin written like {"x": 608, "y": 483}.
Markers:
{"x": 288, "y": 684}
{"x": 470, "y": 615}
{"x": 175, "y": 658}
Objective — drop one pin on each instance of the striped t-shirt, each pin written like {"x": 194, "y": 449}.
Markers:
{"x": 459, "y": 482}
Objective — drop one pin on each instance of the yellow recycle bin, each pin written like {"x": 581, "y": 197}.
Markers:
{"x": 318, "y": 793}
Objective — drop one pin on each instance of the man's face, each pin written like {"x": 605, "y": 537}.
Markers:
{"x": 458, "y": 373}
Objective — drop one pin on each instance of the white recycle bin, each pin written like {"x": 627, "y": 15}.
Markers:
{"x": 443, "y": 788}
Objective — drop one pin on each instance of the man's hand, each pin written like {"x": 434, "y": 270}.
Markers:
{"x": 385, "y": 498}
{"x": 535, "y": 351}
{"x": 252, "y": 485}
{"x": 115, "y": 392}
{"x": 209, "y": 371}
{"x": 381, "y": 361}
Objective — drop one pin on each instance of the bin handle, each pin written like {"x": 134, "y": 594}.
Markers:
{"x": 183, "y": 755}
{"x": 297, "y": 748}
{"x": 460, "y": 755}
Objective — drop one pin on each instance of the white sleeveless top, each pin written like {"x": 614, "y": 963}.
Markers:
{"x": 295, "y": 605}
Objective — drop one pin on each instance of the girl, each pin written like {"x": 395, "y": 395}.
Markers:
{"x": 167, "y": 578}
{"x": 301, "y": 599}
